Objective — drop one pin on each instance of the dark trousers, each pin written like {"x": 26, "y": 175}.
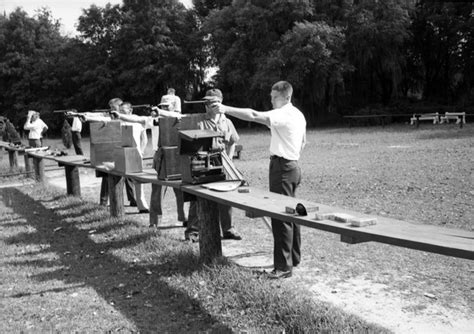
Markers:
{"x": 104, "y": 190}
{"x": 155, "y": 204}
{"x": 35, "y": 142}
{"x": 76, "y": 141}
{"x": 285, "y": 176}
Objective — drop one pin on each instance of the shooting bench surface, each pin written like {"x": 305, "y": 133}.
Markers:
{"x": 452, "y": 242}
{"x": 433, "y": 117}
{"x": 459, "y": 117}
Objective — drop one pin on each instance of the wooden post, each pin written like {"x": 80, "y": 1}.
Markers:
{"x": 209, "y": 230}
{"x": 116, "y": 184}
{"x": 28, "y": 165}
{"x": 73, "y": 183}
{"x": 38, "y": 164}
{"x": 155, "y": 203}
{"x": 13, "y": 158}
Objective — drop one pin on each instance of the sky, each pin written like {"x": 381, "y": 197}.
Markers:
{"x": 67, "y": 11}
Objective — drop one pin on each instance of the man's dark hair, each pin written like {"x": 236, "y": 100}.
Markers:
{"x": 284, "y": 88}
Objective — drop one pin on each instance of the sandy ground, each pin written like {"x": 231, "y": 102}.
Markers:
{"x": 372, "y": 301}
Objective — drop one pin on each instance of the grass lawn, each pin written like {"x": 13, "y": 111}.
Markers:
{"x": 66, "y": 266}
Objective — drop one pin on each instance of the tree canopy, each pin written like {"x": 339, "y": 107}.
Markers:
{"x": 340, "y": 56}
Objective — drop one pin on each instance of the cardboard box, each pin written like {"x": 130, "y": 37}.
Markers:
{"x": 102, "y": 152}
{"x": 170, "y": 127}
{"x": 131, "y": 134}
{"x": 105, "y": 132}
{"x": 128, "y": 160}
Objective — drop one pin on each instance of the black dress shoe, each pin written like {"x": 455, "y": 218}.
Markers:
{"x": 277, "y": 274}
{"x": 144, "y": 211}
{"x": 231, "y": 235}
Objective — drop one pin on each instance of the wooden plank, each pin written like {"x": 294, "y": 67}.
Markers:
{"x": 446, "y": 241}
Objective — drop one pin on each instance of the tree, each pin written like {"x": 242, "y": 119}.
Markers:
{"x": 443, "y": 46}
{"x": 28, "y": 60}
{"x": 376, "y": 38}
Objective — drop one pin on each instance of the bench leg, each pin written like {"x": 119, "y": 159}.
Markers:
{"x": 73, "y": 183}
{"x": 38, "y": 164}
{"x": 116, "y": 184}
{"x": 28, "y": 165}
{"x": 209, "y": 230}
{"x": 13, "y": 159}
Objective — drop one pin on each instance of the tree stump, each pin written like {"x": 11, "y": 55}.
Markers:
{"x": 209, "y": 230}
{"x": 116, "y": 184}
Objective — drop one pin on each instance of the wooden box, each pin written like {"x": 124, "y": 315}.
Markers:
{"x": 131, "y": 135}
{"x": 168, "y": 164}
{"x": 101, "y": 152}
{"x": 170, "y": 127}
{"x": 105, "y": 132}
{"x": 128, "y": 160}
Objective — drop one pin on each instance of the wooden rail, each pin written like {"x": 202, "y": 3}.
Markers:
{"x": 429, "y": 238}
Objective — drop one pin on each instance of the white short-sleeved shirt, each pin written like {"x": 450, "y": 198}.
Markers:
{"x": 36, "y": 128}
{"x": 288, "y": 128}
{"x": 76, "y": 124}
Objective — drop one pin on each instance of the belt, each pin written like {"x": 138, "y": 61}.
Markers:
{"x": 273, "y": 157}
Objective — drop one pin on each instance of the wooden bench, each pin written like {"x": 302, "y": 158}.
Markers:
{"x": 416, "y": 118}
{"x": 459, "y": 117}
{"x": 261, "y": 203}
{"x": 452, "y": 242}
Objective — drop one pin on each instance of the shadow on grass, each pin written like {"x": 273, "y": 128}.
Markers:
{"x": 137, "y": 290}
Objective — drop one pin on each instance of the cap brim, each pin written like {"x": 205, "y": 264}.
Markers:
{"x": 212, "y": 98}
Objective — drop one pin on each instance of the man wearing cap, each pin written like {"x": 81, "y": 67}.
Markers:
{"x": 37, "y": 128}
{"x": 288, "y": 136}
{"x": 217, "y": 122}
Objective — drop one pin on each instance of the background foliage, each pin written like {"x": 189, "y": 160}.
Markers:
{"x": 341, "y": 56}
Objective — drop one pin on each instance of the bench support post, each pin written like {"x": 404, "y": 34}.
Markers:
{"x": 38, "y": 164}
{"x": 28, "y": 165}
{"x": 116, "y": 195}
{"x": 73, "y": 183}
{"x": 13, "y": 159}
{"x": 209, "y": 230}
{"x": 155, "y": 203}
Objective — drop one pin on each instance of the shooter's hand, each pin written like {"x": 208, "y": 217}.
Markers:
{"x": 114, "y": 114}
{"x": 219, "y": 108}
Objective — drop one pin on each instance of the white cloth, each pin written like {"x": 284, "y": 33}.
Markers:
{"x": 76, "y": 124}
{"x": 288, "y": 128}
{"x": 36, "y": 128}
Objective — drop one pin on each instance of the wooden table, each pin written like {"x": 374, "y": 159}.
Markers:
{"x": 429, "y": 238}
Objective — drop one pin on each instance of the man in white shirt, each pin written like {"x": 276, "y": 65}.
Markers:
{"x": 37, "y": 128}
{"x": 76, "y": 129}
{"x": 288, "y": 136}
{"x": 173, "y": 100}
